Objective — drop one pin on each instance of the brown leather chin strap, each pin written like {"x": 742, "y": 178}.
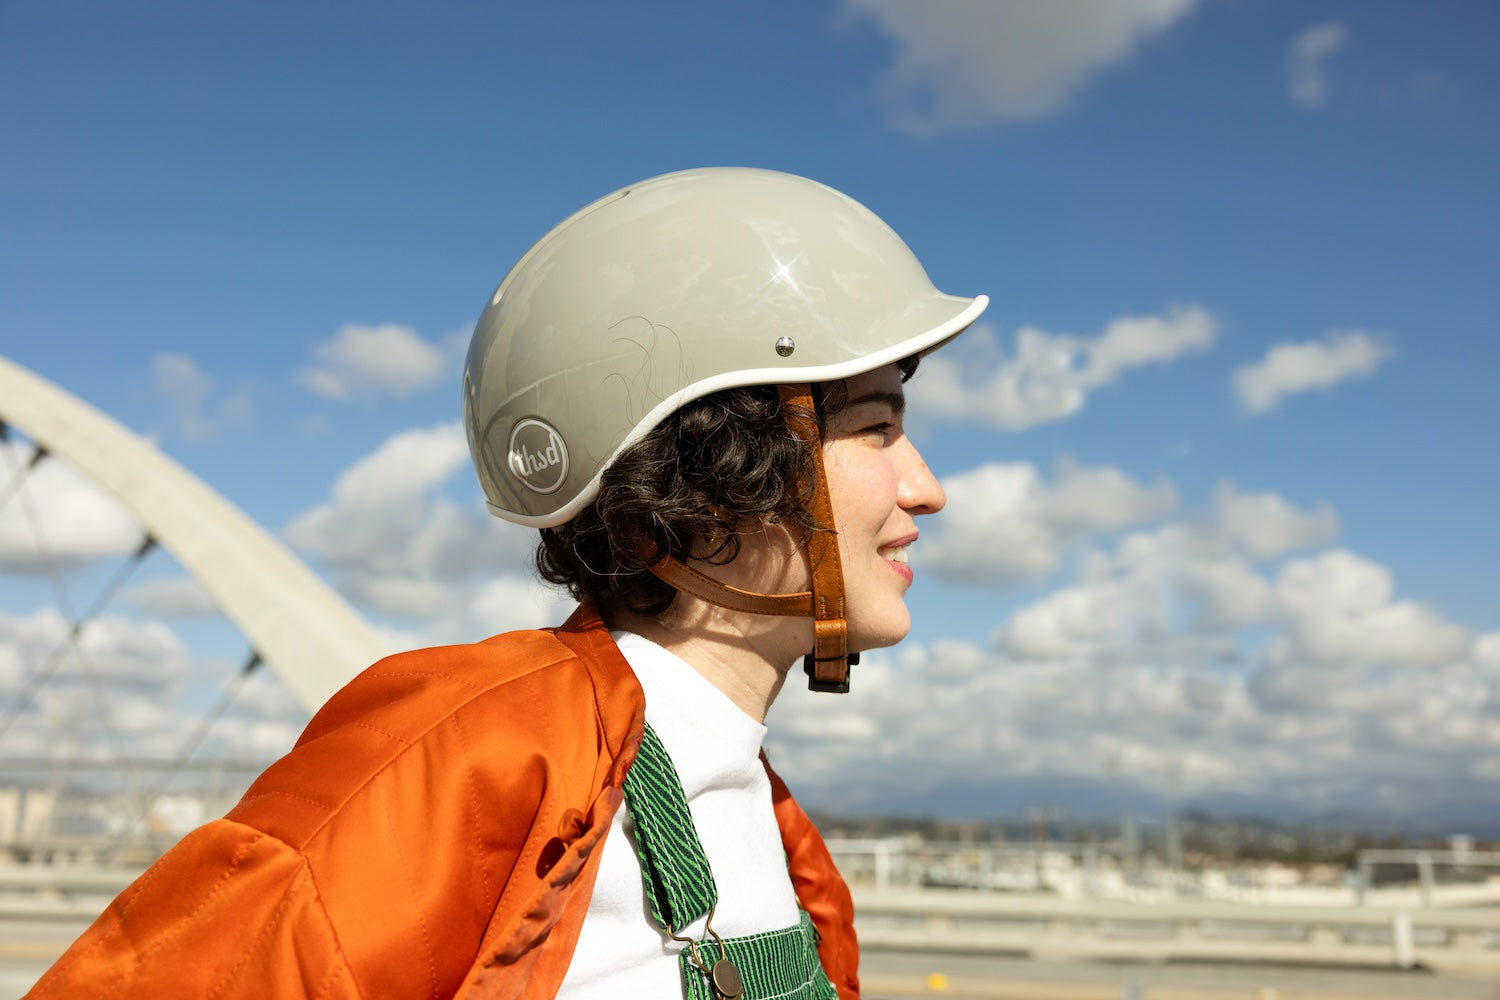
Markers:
{"x": 827, "y": 666}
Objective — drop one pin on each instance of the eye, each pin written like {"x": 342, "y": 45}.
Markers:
{"x": 885, "y": 429}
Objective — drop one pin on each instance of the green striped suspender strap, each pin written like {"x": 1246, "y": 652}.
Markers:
{"x": 680, "y": 888}
{"x": 679, "y": 884}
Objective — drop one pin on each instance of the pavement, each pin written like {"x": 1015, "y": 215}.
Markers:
{"x": 29, "y": 945}
{"x": 894, "y": 975}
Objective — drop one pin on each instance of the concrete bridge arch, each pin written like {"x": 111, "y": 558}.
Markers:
{"x": 298, "y": 625}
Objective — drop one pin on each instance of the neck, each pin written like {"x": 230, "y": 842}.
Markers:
{"x": 745, "y": 656}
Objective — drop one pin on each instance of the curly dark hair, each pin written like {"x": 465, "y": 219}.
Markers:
{"x": 715, "y": 465}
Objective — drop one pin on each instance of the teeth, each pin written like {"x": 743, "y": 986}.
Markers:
{"x": 895, "y": 555}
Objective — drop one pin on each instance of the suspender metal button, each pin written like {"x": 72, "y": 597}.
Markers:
{"x": 726, "y": 979}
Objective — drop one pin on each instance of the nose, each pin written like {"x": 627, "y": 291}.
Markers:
{"x": 918, "y": 491}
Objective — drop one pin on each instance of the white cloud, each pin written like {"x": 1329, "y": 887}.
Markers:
{"x": 910, "y": 718}
{"x": 1134, "y": 341}
{"x": 1102, "y": 500}
{"x": 833, "y": 727}
{"x": 55, "y": 513}
{"x": 1081, "y": 621}
{"x": 127, "y": 687}
{"x": 257, "y": 739}
{"x": 1307, "y": 59}
{"x": 991, "y": 527}
{"x": 1487, "y": 651}
{"x": 966, "y": 63}
{"x": 503, "y": 603}
{"x": 137, "y": 654}
{"x": 1229, "y": 592}
{"x": 953, "y": 660}
{"x": 1051, "y": 375}
{"x": 1292, "y": 368}
{"x": 198, "y": 409}
{"x": 1172, "y": 666}
{"x": 1332, "y": 612}
{"x": 1202, "y": 579}
{"x": 101, "y": 679}
{"x": 396, "y": 547}
{"x": 1266, "y": 526}
{"x": 263, "y": 695}
{"x": 1196, "y": 580}
{"x": 406, "y": 465}
{"x": 1004, "y": 523}
{"x": 1341, "y": 610}
{"x": 372, "y": 360}
{"x": 1184, "y": 591}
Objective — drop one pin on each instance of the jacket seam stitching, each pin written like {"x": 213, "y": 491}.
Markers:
{"x": 266, "y": 928}
{"x": 219, "y": 884}
{"x": 333, "y": 930}
{"x": 474, "y": 809}
{"x": 408, "y": 744}
{"x": 411, "y": 890}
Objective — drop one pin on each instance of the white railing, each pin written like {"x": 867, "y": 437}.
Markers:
{"x": 1424, "y": 862}
{"x": 1464, "y": 940}
{"x": 1049, "y": 927}
{"x": 1087, "y": 901}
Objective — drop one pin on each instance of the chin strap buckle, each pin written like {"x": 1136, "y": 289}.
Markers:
{"x": 830, "y": 679}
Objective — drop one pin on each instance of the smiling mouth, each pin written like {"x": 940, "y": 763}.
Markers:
{"x": 895, "y": 554}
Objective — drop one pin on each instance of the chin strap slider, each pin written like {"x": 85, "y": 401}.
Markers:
{"x": 811, "y": 666}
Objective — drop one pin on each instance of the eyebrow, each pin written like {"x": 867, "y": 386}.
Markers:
{"x": 895, "y": 400}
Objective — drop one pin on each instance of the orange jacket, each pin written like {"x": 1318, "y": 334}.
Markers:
{"x": 432, "y": 834}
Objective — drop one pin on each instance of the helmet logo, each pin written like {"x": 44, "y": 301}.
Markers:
{"x": 538, "y": 457}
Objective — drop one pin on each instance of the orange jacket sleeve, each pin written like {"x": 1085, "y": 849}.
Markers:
{"x": 228, "y": 912}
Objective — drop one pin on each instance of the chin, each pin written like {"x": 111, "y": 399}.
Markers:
{"x": 895, "y": 629}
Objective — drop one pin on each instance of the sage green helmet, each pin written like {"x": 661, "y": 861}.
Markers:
{"x": 669, "y": 290}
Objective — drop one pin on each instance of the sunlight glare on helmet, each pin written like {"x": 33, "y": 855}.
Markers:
{"x": 783, "y": 273}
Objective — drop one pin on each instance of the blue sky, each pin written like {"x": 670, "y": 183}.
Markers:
{"x": 1220, "y": 453}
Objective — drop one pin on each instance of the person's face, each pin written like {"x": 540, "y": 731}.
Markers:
{"x": 878, "y": 485}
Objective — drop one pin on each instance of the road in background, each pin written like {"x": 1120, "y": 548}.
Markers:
{"x": 904, "y": 975}
{"x": 29, "y": 942}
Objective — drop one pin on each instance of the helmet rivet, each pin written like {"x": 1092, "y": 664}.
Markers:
{"x": 785, "y": 346}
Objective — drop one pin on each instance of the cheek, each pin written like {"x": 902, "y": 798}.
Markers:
{"x": 861, "y": 486}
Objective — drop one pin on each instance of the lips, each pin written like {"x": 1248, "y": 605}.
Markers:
{"x": 895, "y": 551}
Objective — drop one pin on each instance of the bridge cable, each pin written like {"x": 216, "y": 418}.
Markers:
{"x": 71, "y": 641}
{"x": 179, "y": 760}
